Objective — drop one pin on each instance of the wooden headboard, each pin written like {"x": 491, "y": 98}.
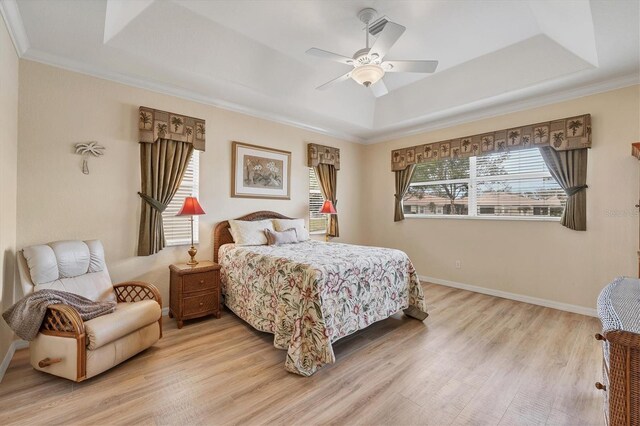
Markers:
{"x": 222, "y": 234}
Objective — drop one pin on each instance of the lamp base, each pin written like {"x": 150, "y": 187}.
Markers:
{"x": 192, "y": 252}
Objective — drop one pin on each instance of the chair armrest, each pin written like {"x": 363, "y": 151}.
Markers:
{"x": 135, "y": 291}
{"x": 63, "y": 321}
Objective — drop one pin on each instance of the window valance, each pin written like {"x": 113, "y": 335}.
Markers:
{"x": 562, "y": 135}
{"x": 321, "y": 154}
{"x": 155, "y": 124}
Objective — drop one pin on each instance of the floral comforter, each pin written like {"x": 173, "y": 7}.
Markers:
{"x": 311, "y": 294}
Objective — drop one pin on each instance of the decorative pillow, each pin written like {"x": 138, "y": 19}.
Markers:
{"x": 297, "y": 224}
{"x": 275, "y": 238}
{"x": 250, "y": 233}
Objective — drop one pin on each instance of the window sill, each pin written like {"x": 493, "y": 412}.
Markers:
{"x": 318, "y": 232}
{"x": 499, "y": 218}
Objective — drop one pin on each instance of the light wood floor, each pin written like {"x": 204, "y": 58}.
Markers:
{"x": 476, "y": 360}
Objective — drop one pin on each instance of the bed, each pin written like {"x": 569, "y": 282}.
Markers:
{"x": 310, "y": 294}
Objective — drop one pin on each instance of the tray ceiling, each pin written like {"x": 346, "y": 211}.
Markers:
{"x": 250, "y": 55}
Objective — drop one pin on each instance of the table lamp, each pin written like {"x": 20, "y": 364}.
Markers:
{"x": 327, "y": 208}
{"x": 191, "y": 207}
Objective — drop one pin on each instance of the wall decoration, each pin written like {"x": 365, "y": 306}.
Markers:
{"x": 321, "y": 154}
{"x": 154, "y": 124}
{"x": 260, "y": 172}
{"x": 87, "y": 150}
{"x": 562, "y": 135}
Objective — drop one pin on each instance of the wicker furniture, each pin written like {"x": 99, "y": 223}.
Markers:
{"x": 635, "y": 151}
{"x": 195, "y": 291}
{"x": 74, "y": 349}
{"x": 619, "y": 312}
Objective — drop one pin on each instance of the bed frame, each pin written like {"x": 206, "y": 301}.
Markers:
{"x": 222, "y": 233}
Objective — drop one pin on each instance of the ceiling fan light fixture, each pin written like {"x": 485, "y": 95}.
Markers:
{"x": 367, "y": 74}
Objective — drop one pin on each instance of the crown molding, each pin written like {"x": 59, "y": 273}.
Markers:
{"x": 167, "y": 89}
{"x": 501, "y": 105}
{"x": 483, "y": 109}
{"x": 11, "y": 15}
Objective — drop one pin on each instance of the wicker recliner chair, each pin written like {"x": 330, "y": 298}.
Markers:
{"x": 76, "y": 350}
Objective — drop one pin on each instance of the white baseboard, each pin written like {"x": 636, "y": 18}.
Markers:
{"x": 13, "y": 347}
{"x": 513, "y": 296}
{"x": 165, "y": 311}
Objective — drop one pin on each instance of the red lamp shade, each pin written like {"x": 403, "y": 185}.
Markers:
{"x": 190, "y": 207}
{"x": 327, "y": 208}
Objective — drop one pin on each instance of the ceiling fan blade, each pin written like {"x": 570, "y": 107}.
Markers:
{"x": 334, "y": 81}
{"x": 329, "y": 55}
{"x": 409, "y": 66}
{"x": 379, "y": 89}
{"x": 387, "y": 38}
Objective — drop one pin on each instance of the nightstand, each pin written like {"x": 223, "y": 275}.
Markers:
{"x": 195, "y": 291}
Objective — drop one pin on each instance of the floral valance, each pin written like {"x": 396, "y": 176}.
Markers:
{"x": 155, "y": 124}
{"x": 320, "y": 154}
{"x": 562, "y": 135}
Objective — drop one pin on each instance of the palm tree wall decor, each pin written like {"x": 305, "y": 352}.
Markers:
{"x": 86, "y": 150}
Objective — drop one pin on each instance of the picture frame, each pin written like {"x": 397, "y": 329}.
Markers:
{"x": 260, "y": 172}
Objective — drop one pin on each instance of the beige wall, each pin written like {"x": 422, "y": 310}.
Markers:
{"x": 537, "y": 259}
{"x": 56, "y": 201}
{"x": 8, "y": 176}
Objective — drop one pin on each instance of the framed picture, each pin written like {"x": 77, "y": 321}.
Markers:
{"x": 260, "y": 172}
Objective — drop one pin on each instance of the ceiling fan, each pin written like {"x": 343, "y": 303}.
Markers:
{"x": 368, "y": 66}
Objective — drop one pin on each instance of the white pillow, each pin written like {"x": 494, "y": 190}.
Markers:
{"x": 250, "y": 233}
{"x": 297, "y": 224}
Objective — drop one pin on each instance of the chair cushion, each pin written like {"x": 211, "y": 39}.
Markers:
{"x": 127, "y": 317}
{"x": 63, "y": 259}
{"x": 74, "y": 266}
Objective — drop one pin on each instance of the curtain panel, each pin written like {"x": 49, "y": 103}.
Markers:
{"x": 162, "y": 164}
{"x": 569, "y": 169}
{"x": 327, "y": 179}
{"x": 325, "y": 161}
{"x": 403, "y": 179}
{"x": 322, "y": 154}
{"x": 563, "y": 144}
{"x": 154, "y": 125}
{"x": 565, "y": 134}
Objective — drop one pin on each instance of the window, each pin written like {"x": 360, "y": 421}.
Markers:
{"x": 506, "y": 184}
{"x": 177, "y": 229}
{"x": 317, "y": 221}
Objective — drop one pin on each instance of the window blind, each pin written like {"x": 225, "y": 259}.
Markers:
{"x": 177, "y": 229}
{"x": 508, "y": 184}
{"x": 317, "y": 221}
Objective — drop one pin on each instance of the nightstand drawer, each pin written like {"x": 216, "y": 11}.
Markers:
{"x": 207, "y": 302}
{"x": 197, "y": 282}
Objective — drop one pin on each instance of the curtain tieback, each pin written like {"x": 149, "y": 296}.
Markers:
{"x": 398, "y": 197}
{"x": 153, "y": 202}
{"x": 575, "y": 189}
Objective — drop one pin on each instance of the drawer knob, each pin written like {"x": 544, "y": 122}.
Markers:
{"x": 600, "y": 386}
{"x": 201, "y": 303}
{"x": 201, "y": 281}
{"x": 600, "y": 337}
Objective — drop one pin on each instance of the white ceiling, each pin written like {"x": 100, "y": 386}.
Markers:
{"x": 249, "y": 56}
